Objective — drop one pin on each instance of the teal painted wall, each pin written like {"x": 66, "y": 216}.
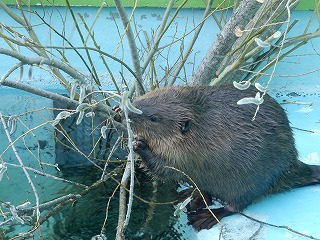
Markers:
{"x": 303, "y": 5}
{"x": 106, "y": 32}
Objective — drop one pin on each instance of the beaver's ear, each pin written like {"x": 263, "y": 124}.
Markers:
{"x": 185, "y": 126}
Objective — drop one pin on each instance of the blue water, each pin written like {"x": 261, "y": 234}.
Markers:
{"x": 297, "y": 209}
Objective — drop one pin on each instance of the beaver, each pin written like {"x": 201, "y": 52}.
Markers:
{"x": 203, "y": 132}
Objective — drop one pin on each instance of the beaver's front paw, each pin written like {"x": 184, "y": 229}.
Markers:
{"x": 139, "y": 144}
{"x": 119, "y": 114}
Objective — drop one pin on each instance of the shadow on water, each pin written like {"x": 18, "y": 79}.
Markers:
{"x": 84, "y": 219}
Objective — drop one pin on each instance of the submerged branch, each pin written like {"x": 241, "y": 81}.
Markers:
{"x": 32, "y": 185}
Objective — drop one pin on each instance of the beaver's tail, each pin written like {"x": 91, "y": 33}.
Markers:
{"x": 299, "y": 175}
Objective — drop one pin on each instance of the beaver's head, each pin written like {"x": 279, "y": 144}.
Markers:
{"x": 167, "y": 119}
{"x": 166, "y": 116}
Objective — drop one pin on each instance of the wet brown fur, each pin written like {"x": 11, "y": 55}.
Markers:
{"x": 226, "y": 154}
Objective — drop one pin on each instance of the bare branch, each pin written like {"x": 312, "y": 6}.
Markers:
{"x": 268, "y": 19}
{"x": 35, "y": 192}
{"x": 42, "y": 60}
{"x": 161, "y": 31}
{"x": 193, "y": 41}
{"x": 132, "y": 45}
{"x": 27, "y": 26}
{"x": 224, "y": 41}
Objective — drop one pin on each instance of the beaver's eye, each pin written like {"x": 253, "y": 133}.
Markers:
{"x": 185, "y": 126}
{"x": 153, "y": 118}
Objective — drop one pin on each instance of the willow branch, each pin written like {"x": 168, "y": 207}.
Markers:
{"x": 124, "y": 215}
{"x": 195, "y": 37}
{"x": 162, "y": 29}
{"x": 11, "y": 70}
{"x": 131, "y": 162}
{"x": 132, "y": 45}
{"x": 40, "y": 60}
{"x": 224, "y": 41}
{"x": 269, "y": 18}
{"x": 32, "y": 34}
{"x": 40, "y": 92}
{"x": 41, "y": 173}
{"x": 24, "y": 170}
{"x": 50, "y": 203}
{"x": 92, "y": 67}
{"x": 101, "y": 109}
{"x": 122, "y": 210}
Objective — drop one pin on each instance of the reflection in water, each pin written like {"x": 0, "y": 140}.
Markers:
{"x": 84, "y": 218}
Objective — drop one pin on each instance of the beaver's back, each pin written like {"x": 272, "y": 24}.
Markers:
{"x": 224, "y": 151}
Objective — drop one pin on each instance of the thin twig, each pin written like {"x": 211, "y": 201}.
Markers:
{"x": 161, "y": 31}
{"x": 40, "y": 60}
{"x": 25, "y": 172}
{"x": 92, "y": 67}
{"x": 280, "y": 48}
{"x": 203, "y": 198}
{"x": 107, "y": 210}
{"x": 279, "y": 226}
{"x": 25, "y": 24}
{"x": 224, "y": 41}
{"x": 114, "y": 147}
{"x": 132, "y": 46}
{"x": 41, "y": 173}
{"x": 193, "y": 41}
